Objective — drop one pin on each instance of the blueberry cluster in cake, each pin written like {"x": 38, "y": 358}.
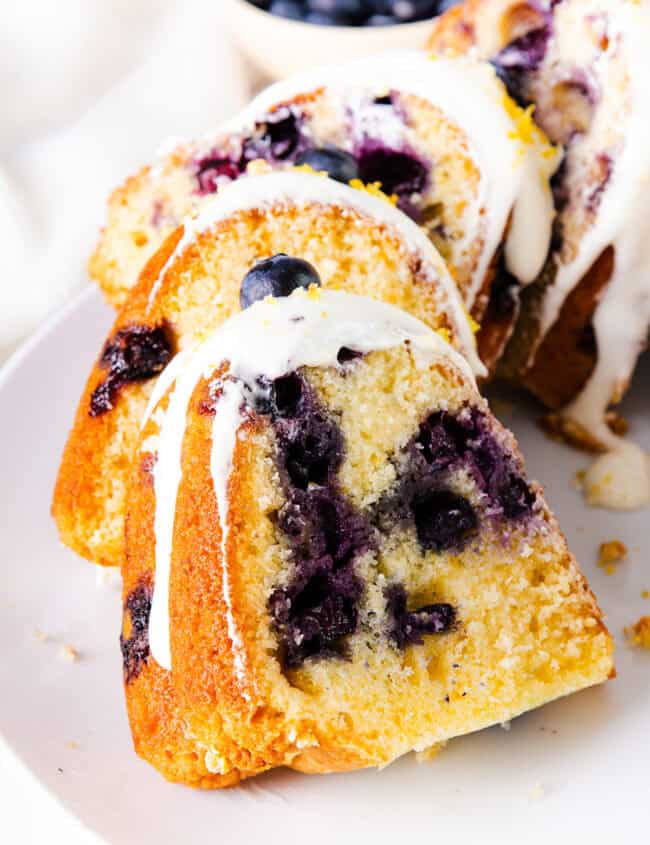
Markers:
{"x": 319, "y": 606}
{"x": 286, "y": 137}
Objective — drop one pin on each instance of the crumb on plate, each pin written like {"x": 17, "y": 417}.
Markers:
{"x": 611, "y": 552}
{"x": 639, "y": 634}
{"x": 69, "y": 653}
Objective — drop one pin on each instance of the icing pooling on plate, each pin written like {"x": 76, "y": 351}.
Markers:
{"x": 270, "y": 339}
{"x": 295, "y": 188}
{"x": 623, "y": 314}
{"x": 515, "y": 170}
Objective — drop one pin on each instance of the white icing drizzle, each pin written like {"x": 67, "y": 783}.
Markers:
{"x": 619, "y": 480}
{"x": 268, "y": 340}
{"x": 514, "y": 172}
{"x": 295, "y": 188}
{"x": 622, "y": 316}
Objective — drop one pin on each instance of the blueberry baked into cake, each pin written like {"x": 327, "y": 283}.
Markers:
{"x": 442, "y": 137}
{"x": 359, "y": 241}
{"x": 333, "y": 554}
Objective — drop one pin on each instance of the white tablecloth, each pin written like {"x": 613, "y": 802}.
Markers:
{"x": 88, "y": 90}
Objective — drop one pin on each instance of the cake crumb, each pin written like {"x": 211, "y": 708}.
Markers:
{"x": 41, "y": 636}
{"x": 645, "y": 594}
{"x": 430, "y": 753}
{"x": 72, "y": 745}
{"x": 639, "y": 634}
{"x": 611, "y": 552}
{"x": 69, "y": 653}
{"x": 536, "y": 793}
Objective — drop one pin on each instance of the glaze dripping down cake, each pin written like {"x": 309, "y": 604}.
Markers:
{"x": 584, "y": 66}
{"x": 360, "y": 243}
{"x": 334, "y": 555}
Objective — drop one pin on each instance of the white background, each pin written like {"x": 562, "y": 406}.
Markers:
{"x": 88, "y": 90}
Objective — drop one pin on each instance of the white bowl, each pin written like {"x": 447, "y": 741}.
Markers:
{"x": 279, "y": 47}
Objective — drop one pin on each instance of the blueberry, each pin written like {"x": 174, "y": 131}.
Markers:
{"x": 446, "y": 5}
{"x": 339, "y": 165}
{"x": 276, "y": 276}
{"x": 287, "y": 9}
{"x": 398, "y": 171}
{"x": 381, "y": 20}
{"x": 516, "y": 497}
{"x": 353, "y": 10}
{"x": 346, "y": 355}
{"x": 443, "y": 520}
{"x": 286, "y": 395}
{"x": 329, "y": 19}
{"x": 261, "y": 4}
{"x": 135, "y": 353}
{"x": 135, "y": 648}
{"x": 210, "y": 169}
{"x": 413, "y": 10}
{"x": 407, "y": 627}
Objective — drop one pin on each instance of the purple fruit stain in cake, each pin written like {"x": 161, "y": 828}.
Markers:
{"x": 446, "y": 444}
{"x": 135, "y": 647}
{"x": 408, "y": 627}
{"x": 318, "y": 607}
{"x": 215, "y": 169}
{"x": 347, "y": 356}
{"x": 465, "y": 440}
{"x": 443, "y": 520}
{"x": 400, "y": 172}
{"x": 309, "y": 439}
{"x": 278, "y": 137}
{"x": 520, "y": 58}
{"x": 135, "y": 353}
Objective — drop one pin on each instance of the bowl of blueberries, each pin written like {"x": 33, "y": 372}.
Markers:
{"x": 280, "y": 37}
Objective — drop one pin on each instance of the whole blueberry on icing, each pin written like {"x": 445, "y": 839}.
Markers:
{"x": 443, "y": 520}
{"x": 339, "y": 165}
{"x": 279, "y": 275}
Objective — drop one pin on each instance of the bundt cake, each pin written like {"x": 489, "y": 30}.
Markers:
{"x": 462, "y": 159}
{"x": 360, "y": 243}
{"x": 333, "y": 553}
{"x": 585, "y": 65}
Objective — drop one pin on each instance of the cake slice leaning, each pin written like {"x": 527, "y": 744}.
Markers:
{"x": 348, "y": 561}
{"x": 360, "y": 242}
{"x": 584, "y": 67}
{"x": 462, "y": 159}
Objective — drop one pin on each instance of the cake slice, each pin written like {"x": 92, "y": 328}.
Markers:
{"x": 344, "y": 556}
{"x": 360, "y": 242}
{"x": 583, "y": 65}
{"x": 460, "y": 157}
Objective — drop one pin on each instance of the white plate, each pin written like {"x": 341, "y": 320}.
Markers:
{"x": 576, "y": 768}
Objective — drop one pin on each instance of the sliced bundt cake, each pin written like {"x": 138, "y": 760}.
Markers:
{"x": 585, "y": 66}
{"x": 344, "y": 558}
{"x": 442, "y": 136}
{"x": 359, "y": 242}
